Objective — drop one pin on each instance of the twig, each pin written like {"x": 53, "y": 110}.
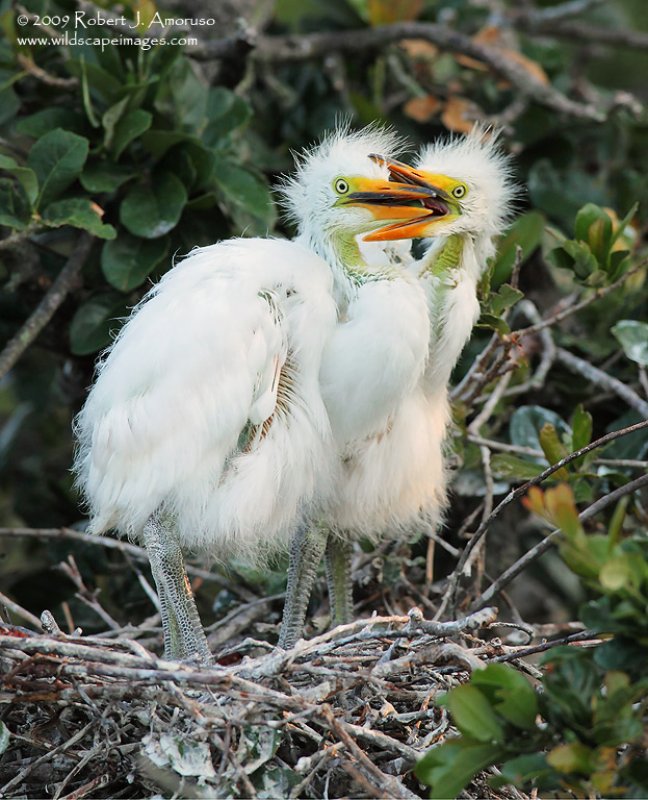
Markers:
{"x": 552, "y": 14}
{"x": 393, "y": 786}
{"x": 124, "y": 547}
{"x": 581, "y": 32}
{"x": 48, "y": 306}
{"x": 514, "y": 494}
{"x": 493, "y": 444}
{"x": 535, "y": 552}
{"x": 597, "y": 294}
{"x": 597, "y": 376}
{"x": 21, "y": 612}
{"x": 281, "y": 49}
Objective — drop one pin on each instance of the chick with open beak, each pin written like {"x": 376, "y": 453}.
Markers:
{"x": 469, "y": 203}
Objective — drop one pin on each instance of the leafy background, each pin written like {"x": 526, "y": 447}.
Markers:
{"x": 115, "y": 162}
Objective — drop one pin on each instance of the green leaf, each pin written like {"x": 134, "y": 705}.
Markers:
{"x": 509, "y": 692}
{"x": 123, "y": 126}
{"x": 24, "y": 175}
{"x": 159, "y": 142}
{"x": 128, "y": 128}
{"x": 526, "y": 232}
{"x": 57, "y": 158}
{"x": 9, "y": 104}
{"x": 95, "y": 322}
{"x": 450, "y": 767}
{"x": 98, "y": 79}
{"x": 553, "y": 449}
{"x": 494, "y": 323}
{"x": 183, "y": 97}
{"x": 581, "y": 425}
{"x": 624, "y": 222}
{"x": 523, "y": 770}
{"x": 152, "y": 210}
{"x": 111, "y": 117}
{"x": 473, "y": 714}
{"x": 594, "y": 226}
{"x": 574, "y": 256}
{"x": 77, "y": 212}
{"x": 128, "y": 260}
{"x": 41, "y": 122}
{"x": 505, "y": 298}
{"x": 245, "y": 189}
{"x": 510, "y": 467}
{"x": 574, "y": 757}
{"x": 226, "y": 111}
{"x": 633, "y": 337}
{"x": 14, "y": 205}
{"x": 104, "y": 176}
{"x": 616, "y": 573}
{"x": 527, "y": 421}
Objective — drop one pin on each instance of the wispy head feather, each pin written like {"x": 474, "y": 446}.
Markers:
{"x": 305, "y": 196}
{"x": 478, "y": 161}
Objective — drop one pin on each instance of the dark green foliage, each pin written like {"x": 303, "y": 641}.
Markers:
{"x": 153, "y": 152}
{"x": 583, "y": 730}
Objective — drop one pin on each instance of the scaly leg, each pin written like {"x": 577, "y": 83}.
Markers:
{"x": 305, "y": 555}
{"x": 184, "y": 637}
{"x": 338, "y": 576}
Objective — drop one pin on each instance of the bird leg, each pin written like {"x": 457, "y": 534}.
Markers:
{"x": 184, "y": 637}
{"x": 338, "y": 576}
{"x": 306, "y": 552}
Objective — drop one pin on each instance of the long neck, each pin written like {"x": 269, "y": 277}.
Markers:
{"x": 451, "y": 270}
{"x": 342, "y": 253}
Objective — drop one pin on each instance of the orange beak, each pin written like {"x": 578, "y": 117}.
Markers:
{"x": 435, "y": 203}
{"x": 388, "y": 200}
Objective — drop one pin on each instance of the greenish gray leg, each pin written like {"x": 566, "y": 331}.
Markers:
{"x": 306, "y": 552}
{"x": 338, "y": 576}
{"x": 184, "y": 637}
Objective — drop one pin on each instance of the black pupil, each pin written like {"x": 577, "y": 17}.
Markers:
{"x": 342, "y": 187}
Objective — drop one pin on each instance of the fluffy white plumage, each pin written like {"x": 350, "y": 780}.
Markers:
{"x": 258, "y": 384}
{"x": 478, "y": 162}
{"x": 197, "y": 362}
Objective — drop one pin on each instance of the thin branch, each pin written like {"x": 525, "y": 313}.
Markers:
{"x": 570, "y": 310}
{"x": 133, "y": 550}
{"x": 283, "y": 49}
{"x": 514, "y": 494}
{"x": 581, "y": 32}
{"x": 552, "y": 14}
{"x": 19, "y": 611}
{"x": 597, "y": 376}
{"x": 48, "y": 306}
{"x": 535, "y": 552}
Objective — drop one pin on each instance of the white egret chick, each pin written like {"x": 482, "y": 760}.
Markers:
{"x": 264, "y": 391}
{"x": 471, "y": 204}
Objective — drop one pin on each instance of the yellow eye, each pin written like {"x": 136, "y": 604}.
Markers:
{"x": 341, "y": 186}
{"x": 459, "y": 191}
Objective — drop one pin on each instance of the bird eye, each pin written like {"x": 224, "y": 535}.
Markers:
{"x": 459, "y": 192}
{"x": 341, "y": 186}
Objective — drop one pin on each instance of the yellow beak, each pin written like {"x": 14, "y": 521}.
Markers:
{"x": 434, "y": 206}
{"x": 388, "y": 200}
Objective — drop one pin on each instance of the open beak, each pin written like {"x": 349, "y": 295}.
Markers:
{"x": 388, "y": 201}
{"x": 434, "y": 203}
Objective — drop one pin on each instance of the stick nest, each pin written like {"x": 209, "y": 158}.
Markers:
{"x": 346, "y": 714}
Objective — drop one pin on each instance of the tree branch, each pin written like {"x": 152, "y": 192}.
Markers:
{"x": 278, "y": 49}
{"x": 514, "y": 494}
{"x": 580, "y": 31}
{"x": 48, "y": 305}
{"x": 597, "y": 376}
{"x": 535, "y": 552}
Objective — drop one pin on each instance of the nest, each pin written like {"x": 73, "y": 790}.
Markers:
{"x": 345, "y": 714}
